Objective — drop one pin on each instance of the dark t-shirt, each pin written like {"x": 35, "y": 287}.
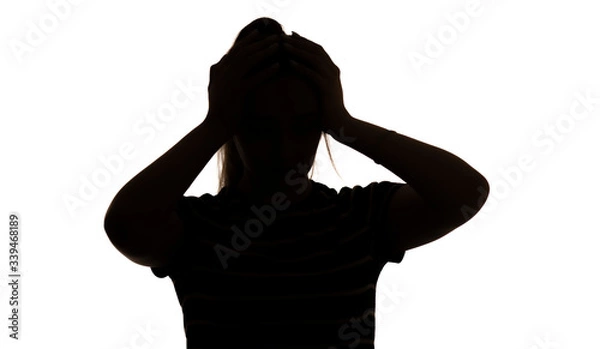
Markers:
{"x": 259, "y": 276}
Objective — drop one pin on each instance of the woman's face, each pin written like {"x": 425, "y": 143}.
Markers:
{"x": 282, "y": 131}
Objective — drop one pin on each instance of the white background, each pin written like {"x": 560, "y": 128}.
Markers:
{"x": 522, "y": 274}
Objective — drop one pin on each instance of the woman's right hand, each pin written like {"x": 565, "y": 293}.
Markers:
{"x": 229, "y": 84}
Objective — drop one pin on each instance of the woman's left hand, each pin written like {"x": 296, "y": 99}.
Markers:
{"x": 312, "y": 61}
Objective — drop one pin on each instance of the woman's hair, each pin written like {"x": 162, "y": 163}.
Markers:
{"x": 231, "y": 166}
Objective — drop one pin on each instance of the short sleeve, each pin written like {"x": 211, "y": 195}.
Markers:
{"x": 377, "y": 196}
{"x": 187, "y": 209}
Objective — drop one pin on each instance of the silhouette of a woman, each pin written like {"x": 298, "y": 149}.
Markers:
{"x": 275, "y": 259}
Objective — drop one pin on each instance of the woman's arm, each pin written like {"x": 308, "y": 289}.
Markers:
{"x": 442, "y": 179}
{"x": 141, "y": 221}
{"x": 160, "y": 185}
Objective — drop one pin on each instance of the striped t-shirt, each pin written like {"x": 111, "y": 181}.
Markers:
{"x": 264, "y": 276}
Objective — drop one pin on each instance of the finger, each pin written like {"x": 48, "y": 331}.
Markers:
{"x": 256, "y": 41}
{"x": 256, "y": 47}
{"x": 303, "y": 69}
{"x": 307, "y": 45}
{"x": 243, "y": 60}
{"x": 304, "y": 57}
{"x": 252, "y": 36}
{"x": 302, "y": 42}
{"x": 261, "y": 75}
{"x": 251, "y": 43}
{"x": 260, "y": 56}
{"x": 244, "y": 41}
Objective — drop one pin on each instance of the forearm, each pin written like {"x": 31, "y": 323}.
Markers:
{"x": 158, "y": 187}
{"x": 441, "y": 178}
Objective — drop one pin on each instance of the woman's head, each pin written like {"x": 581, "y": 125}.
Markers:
{"x": 280, "y": 127}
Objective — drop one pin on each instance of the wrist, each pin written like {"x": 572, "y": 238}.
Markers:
{"x": 341, "y": 129}
{"x": 218, "y": 126}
